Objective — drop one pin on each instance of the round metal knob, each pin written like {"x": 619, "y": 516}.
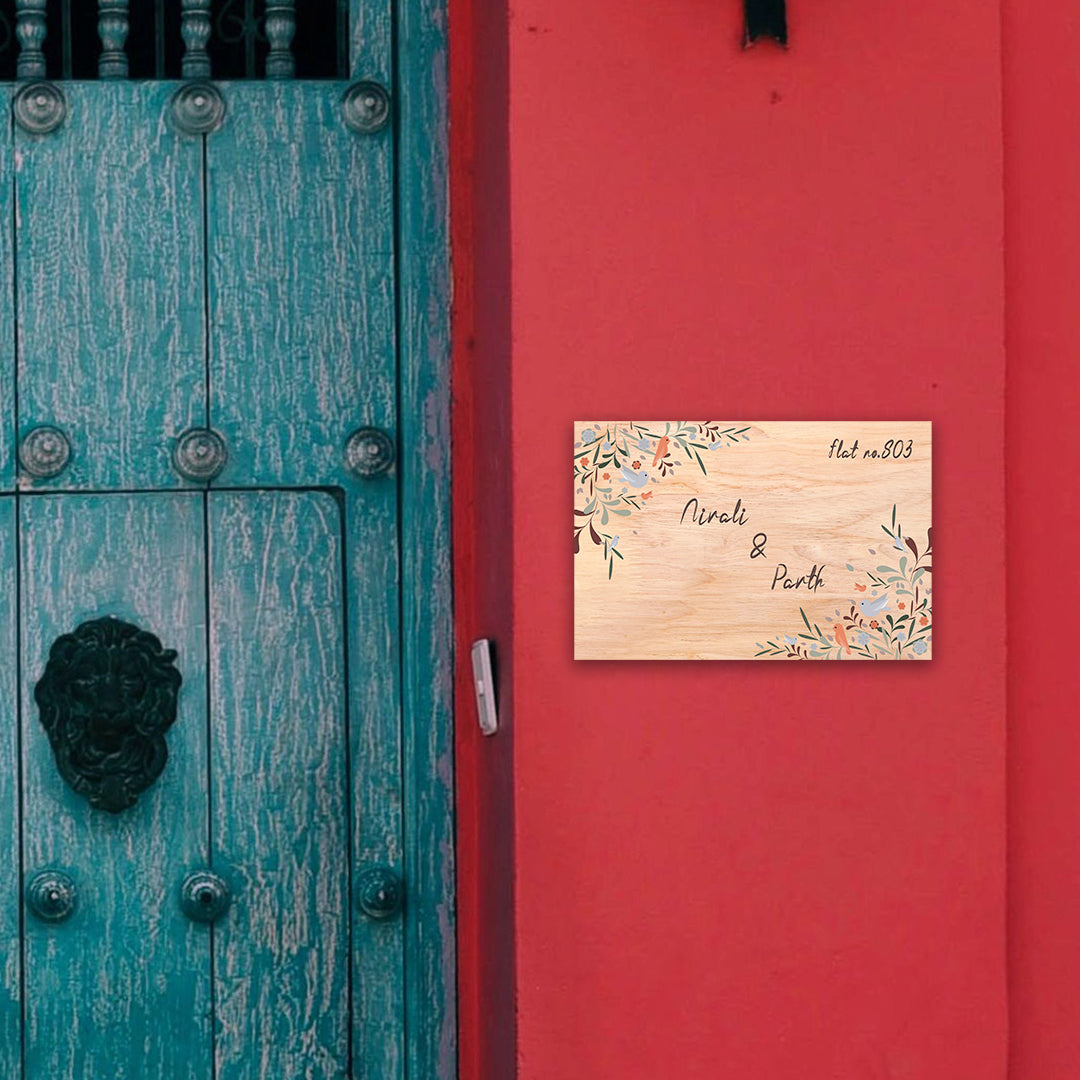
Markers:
{"x": 369, "y": 452}
{"x": 382, "y": 893}
{"x": 198, "y": 108}
{"x": 366, "y": 107}
{"x": 50, "y": 895}
{"x": 200, "y": 454}
{"x": 204, "y": 897}
{"x": 40, "y": 107}
{"x": 44, "y": 452}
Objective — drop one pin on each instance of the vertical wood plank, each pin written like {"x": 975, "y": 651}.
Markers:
{"x": 111, "y": 284}
{"x": 123, "y": 987}
{"x": 371, "y": 54}
{"x": 7, "y": 286}
{"x": 279, "y": 766}
{"x": 10, "y": 940}
{"x": 300, "y": 220}
{"x": 425, "y": 469}
{"x": 378, "y": 831}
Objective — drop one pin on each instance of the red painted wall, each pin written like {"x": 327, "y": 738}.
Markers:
{"x": 728, "y": 870}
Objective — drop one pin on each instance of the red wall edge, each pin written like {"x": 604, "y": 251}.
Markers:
{"x": 1042, "y": 179}
{"x": 483, "y": 549}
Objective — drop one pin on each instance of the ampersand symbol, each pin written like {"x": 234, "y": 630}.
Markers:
{"x": 759, "y": 545}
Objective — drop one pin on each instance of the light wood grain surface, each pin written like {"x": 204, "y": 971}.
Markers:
{"x": 704, "y": 537}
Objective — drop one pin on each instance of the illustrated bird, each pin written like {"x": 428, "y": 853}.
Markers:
{"x": 634, "y": 479}
{"x": 661, "y": 450}
{"x": 841, "y": 637}
{"x": 872, "y": 607}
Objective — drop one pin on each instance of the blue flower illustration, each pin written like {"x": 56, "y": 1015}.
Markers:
{"x": 901, "y": 636}
{"x": 863, "y": 637}
{"x": 919, "y": 647}
{"x": 588, "y": 435}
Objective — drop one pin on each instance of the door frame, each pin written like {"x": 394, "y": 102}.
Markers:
{"x": 421, "y": 148}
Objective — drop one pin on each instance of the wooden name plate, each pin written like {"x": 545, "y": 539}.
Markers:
{"x": 712, "y": 540}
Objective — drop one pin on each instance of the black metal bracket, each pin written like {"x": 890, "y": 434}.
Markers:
{"x": 766, "y": 18}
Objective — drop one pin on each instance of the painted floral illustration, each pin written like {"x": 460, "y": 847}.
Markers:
{"x": 890, "y": 616}
{"x": 615, "y": 464}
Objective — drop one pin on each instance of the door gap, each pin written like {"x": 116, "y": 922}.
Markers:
{"x": 208, "y": 647}
{"x": 20, "y": 769}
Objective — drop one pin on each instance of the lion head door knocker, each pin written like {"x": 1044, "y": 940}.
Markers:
{"x": 106, "y": 699}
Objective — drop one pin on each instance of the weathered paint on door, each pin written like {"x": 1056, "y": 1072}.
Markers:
{"x": 244, "y": 281}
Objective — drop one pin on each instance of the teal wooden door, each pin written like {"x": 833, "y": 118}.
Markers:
{"x": 228, "y": 837}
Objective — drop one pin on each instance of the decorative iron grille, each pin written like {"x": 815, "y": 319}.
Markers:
{"x": 149, "y": 39}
